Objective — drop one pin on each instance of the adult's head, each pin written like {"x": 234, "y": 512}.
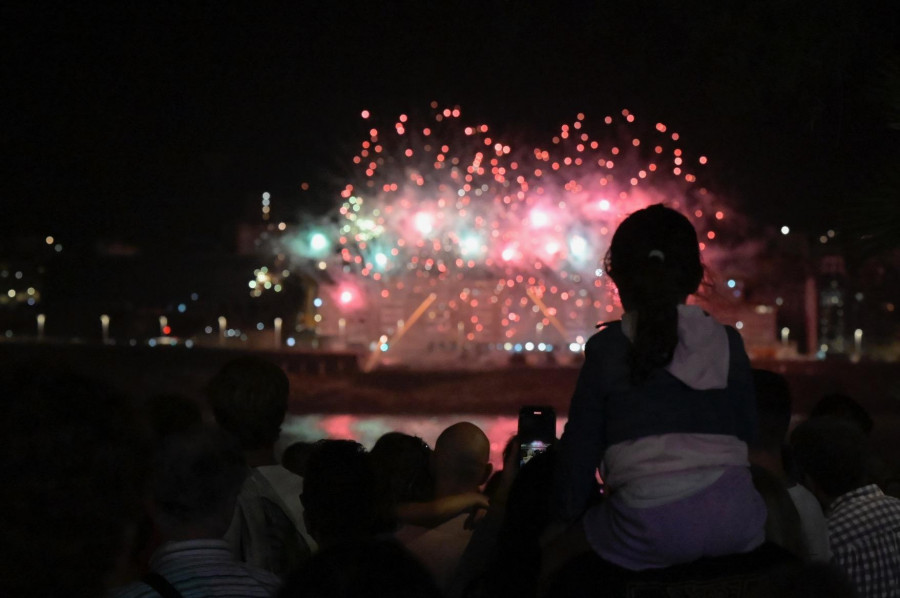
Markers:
{"x": 461, "y": 459}
{"x": 249, "y": 398}
{"x": 295, "y": 457}
{"x": 654, "y": 259}
{"x": 73, "y": 466}
{"x": 197, "y": 477}
{"x": 773, "y": 408}
{"x": 338, "y": 493}
{"x": 843, "y": 407}
{"x": 831, "y": 456}
{"x": 402, "y": 467}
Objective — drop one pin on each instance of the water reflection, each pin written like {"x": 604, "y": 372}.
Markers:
{"x": 366, "y": 429}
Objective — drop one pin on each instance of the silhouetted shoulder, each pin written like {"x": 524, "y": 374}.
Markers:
{"x": 608, "y": 333}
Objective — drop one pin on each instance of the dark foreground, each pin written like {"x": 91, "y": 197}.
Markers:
{"x": 333, "y": 384}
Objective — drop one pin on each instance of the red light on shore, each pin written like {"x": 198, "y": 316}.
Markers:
{"x": 167, "y": 330}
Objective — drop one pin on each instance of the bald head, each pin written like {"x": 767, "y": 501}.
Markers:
{"x": 461, "y": 459}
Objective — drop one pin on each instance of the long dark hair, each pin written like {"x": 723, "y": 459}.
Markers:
{"x": 654, "y": 259}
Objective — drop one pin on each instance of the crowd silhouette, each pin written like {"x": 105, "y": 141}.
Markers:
{"x": 678, "y": 474}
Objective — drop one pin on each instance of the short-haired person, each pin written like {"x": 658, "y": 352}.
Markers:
{"x": 249, "y": 398}
{"x": 863, "y": 523}
{"x": 402, "y": 467}
{"x": 339, "y": 493}
{"x": 773, "y": 401}
{"x": 461, "y": 465}
{"x": 197, "y": 478}
{"x": 845, "y": 407}
{"x": 664, "y": 405}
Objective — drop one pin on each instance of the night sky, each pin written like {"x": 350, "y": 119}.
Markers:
{"x": 161, "y": 124}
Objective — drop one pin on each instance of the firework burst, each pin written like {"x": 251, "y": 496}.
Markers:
{"x": 508, "y": 241}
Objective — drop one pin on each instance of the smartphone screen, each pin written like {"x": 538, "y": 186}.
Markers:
{"x": 527, "y": 450}
{"x": 536, "y": 431}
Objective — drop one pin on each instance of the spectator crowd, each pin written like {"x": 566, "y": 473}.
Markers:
{"x": 677, "y": 475}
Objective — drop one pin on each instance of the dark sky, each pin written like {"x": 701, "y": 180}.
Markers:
{"x": 159, "y": 122}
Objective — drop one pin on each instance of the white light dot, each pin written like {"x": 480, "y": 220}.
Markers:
{"x": 318, "y": 242}
{"x": 785, "y": 230}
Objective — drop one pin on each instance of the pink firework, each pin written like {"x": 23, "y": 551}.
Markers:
{"x": 511, "y": 240}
